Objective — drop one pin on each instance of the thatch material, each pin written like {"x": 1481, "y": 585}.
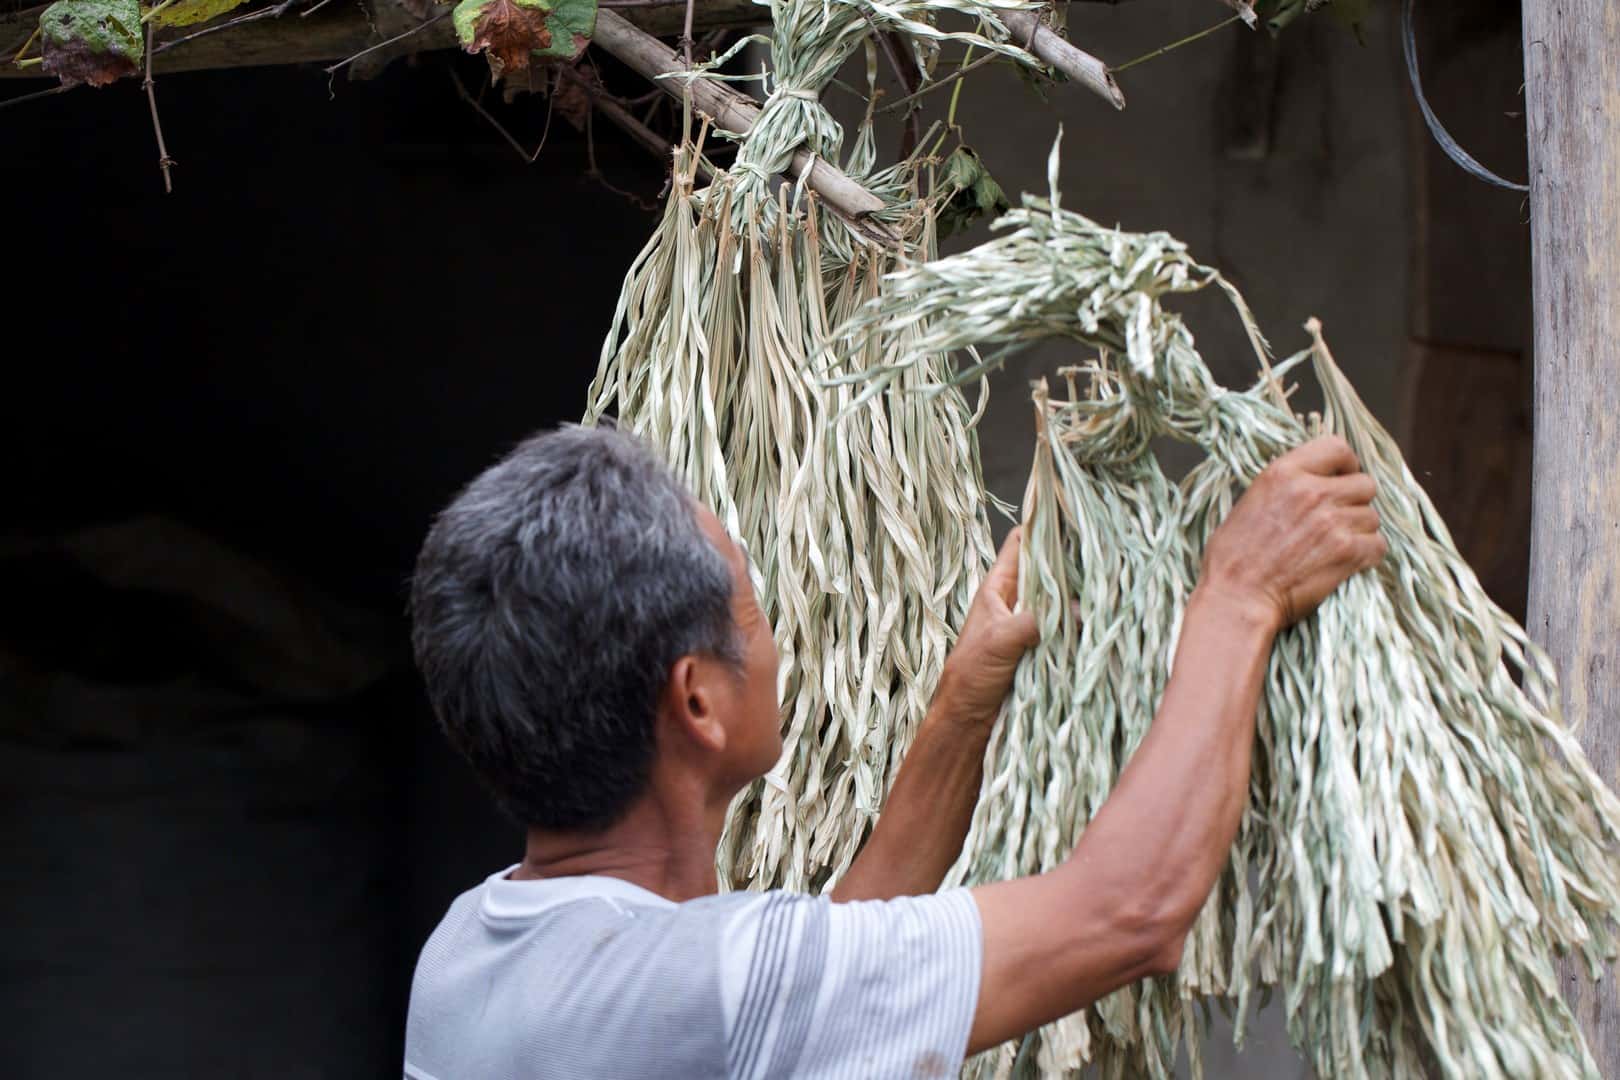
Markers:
{"x": 1424, "y": 833}
{"x": 865, "y": 524}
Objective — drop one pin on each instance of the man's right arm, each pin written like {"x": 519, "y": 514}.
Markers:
{"x": 1120, "y": 907}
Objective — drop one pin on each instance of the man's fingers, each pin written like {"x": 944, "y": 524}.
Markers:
{"x": 1356, "y": 489}
{"x": 1002, "y": 580}
{"x": 1372, "y": 549}
{"x": 1362, "y": 520}
{"x": 1022, "y": 630}
{"x": 1327, "y": 455}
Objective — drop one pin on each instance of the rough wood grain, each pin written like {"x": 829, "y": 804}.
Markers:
{"x": 1573, "y": 102}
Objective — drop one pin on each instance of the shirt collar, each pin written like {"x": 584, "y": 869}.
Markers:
{"x": 507, "y": 899}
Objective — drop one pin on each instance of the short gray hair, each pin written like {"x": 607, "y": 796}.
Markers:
{"x": 549, "y": 603}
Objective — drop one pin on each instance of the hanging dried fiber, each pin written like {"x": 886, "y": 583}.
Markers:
{"x": 864, "y": 522}
{"x": 1424, "y": 834}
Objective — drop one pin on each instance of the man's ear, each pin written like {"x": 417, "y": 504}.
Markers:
{"x": 693, "y": 703}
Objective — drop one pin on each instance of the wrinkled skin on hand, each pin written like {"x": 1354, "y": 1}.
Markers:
{"x": 994, "y": 637}
{"x": 1303, "y": 527}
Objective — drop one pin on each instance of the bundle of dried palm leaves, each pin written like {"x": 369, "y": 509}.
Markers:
{"x": 864, "y": 520}
{"x": 1424, "y": 833}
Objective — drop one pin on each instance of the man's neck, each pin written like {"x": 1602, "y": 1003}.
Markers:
{"x": 665, "y": 849}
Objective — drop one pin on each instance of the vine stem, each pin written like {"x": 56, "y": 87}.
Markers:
{"x": 31, "y": 39}
{"x": 941, "y": 83}
{"x": 154, "y": 12}
{"x": 417, "y": 29}
{"x": 165, "y": 162}
{"x": 1161, "y": 50}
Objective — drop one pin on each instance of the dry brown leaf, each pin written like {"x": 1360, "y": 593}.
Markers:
{"x": 508, "y": 33}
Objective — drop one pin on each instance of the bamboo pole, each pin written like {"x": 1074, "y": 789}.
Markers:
{"x": 1030, "y": 30}
{"x": 1573, "y": 109}
{"x": 734, "y": 112}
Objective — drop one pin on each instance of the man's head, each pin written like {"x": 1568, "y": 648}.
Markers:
{"x": 577, "y": 619}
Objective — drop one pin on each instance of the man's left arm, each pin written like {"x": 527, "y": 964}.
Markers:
{"x": 920, "y": 832}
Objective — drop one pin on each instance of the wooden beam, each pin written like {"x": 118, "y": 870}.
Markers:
{"x": 1573, "y": 107}
{"x": 339, "y": 31}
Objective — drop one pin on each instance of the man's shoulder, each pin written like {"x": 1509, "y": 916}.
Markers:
{"x": 548, "y": 920}
{"x": 590, "y": 975}
{"x": 594, "y": 978}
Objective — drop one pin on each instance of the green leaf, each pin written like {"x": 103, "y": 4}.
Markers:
{"x": 1036, "y": 81}
{"x": 572, "y": 22}
{"x": 973, "y": 192}
{"x": 91, "y": 42}
{"x": 1353, "y": 14}
{"x": 510, "y": 33}
{"x": 1276, "y": 15}
{"x": 189, "y": 12}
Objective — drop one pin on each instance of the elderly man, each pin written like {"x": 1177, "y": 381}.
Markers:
{"x": 591, "y": 643}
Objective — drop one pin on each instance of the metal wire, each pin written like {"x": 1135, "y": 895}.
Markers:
{"x": 1450, "y": 145}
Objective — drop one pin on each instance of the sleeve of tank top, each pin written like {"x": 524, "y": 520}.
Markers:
{"x": 879, "y": 988}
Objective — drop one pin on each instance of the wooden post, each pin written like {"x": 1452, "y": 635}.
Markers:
{"x": 1572, "y": 72}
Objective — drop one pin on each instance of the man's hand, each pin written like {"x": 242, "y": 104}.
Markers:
{"x": 1303, "y": 527}
{"x": 994, "y": 637}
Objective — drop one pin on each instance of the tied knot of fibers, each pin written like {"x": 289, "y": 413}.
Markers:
{"x": 1114, "y": 420}
{"x": 810, "y": 41}
{"x": 1114, "y": 417}
{"x": 792, "y": 117}
{"x": 750, "y": 169}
